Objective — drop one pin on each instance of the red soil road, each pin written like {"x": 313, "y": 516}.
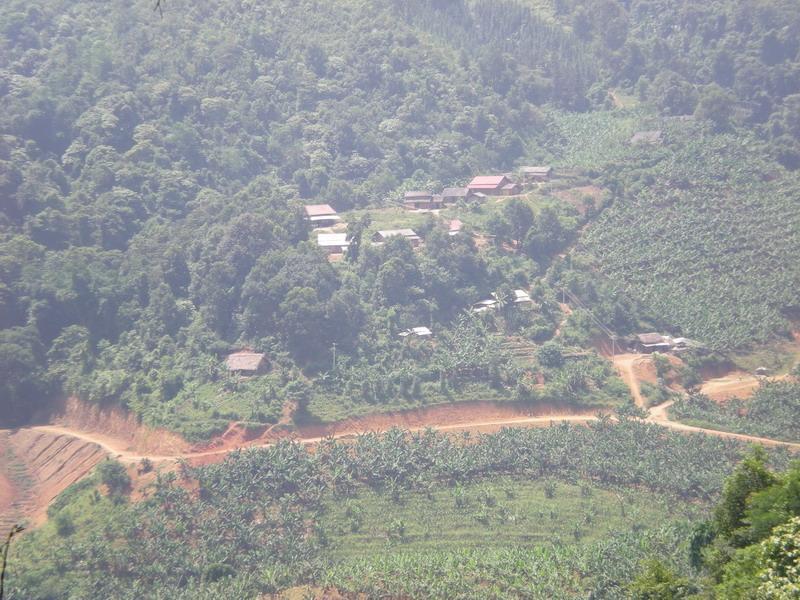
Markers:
{"x": 59, "y": 455}
{"x": 473, "y": 416}
{"x": 628, "y": 364}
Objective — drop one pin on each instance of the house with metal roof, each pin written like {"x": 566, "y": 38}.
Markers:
{"x": 452, "y": 195}
{"x": 333, "y": 243}
{"x": 491, "y": 185}
{"x": 416, "y": 332}
{"x": 321, "y": 215}
{"x": 536, "y": 174}
{"x": 422, "y": 201}
{"x": 652, "y": 342}
{"x": 382, "y": 236}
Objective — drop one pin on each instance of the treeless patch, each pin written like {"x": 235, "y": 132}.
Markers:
{"x": 117, "y": 424}
{"x": 53, "y": 462}
{"x": 575, "y": 197}
{"x": 468, "y": 414}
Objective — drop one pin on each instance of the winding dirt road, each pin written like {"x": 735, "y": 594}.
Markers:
{"x": 487, "y": 417}
{"x": 626, "y": 363}
{"x": 119, "y": 449}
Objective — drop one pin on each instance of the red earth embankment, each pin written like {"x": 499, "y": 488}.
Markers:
{"x": 51, "y": 463}
{"x": 117, "y": 424}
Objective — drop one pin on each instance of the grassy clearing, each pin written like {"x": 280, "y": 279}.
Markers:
{"x": 201, "y": 411}
{"x": 780, "y": 358}
{"x": 393, "y": 217}
{"x": 495, "y": 514}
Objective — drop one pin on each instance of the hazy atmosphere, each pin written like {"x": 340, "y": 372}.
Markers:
{"x": 354, "y": 299}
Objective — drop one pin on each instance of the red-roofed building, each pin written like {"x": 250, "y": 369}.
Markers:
{"x": 491, "y": 185}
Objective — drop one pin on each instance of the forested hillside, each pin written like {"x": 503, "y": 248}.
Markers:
{"x": 153, "y": 171}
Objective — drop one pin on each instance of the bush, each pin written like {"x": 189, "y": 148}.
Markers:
{"x": 114, "y": 476}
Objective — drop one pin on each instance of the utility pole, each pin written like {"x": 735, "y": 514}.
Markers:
{"x": 14, "y": 531}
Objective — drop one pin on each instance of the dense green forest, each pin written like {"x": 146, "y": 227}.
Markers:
{"x": 358, "y": 518}
{"x": 153, "y": 171}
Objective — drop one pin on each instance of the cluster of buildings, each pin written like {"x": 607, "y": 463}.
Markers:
{"x": 479, "y": 188}
{"x": 336, "y": 243}
{"x": 521, "y": 297}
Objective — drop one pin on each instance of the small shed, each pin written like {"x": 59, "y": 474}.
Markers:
{"x": 484, "y": 305}
{"x": 511, "y": 189}
{"x": 246, "y": 363}
{"x": 641, "y": 138}
{"x": 652, "y": 342}
{"x": 333, "y": 243}
{"x": 454, "y": 227}
{"x": 522, "y": 297}
{"x": 491, "y": 185}
{"x": 536, "y": 174}
{"x": 321, "y": 215}
{"x": 382, "y": 236}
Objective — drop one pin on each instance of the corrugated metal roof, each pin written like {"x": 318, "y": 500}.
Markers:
{"x": 456, "y": 192}
{"x": 648, "y": 339}
{"x": 319, "y": 210}
{"x": 332, "y": 239}
{"x": 417, "y": 195}
{"x": 488, "y": 181}
{"x": 536, "y": 170}
{"x": 324, "y": 218}
{"x": 387, "y": 233}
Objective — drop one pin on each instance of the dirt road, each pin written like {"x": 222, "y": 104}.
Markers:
{"x": 474, "y": 417}
{"x": 119, "y": 449}
{"x": 625, "y": 364}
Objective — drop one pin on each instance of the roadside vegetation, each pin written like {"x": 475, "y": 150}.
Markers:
{"x": 771, "y": 412}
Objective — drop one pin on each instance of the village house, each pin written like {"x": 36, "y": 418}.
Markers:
{"x": 416, "y": 332}
{"x": 321, "y": 215}
{"x": 333, "y": 243}
{"x": 511, "y": 189}
{"x": 522, "y": 297}
{"x": 421, "y": 201}
{"x": 484, "y": 305}
{"x": 491, "y": 185}
{"x": 535, "y": 174}
{"x": 246, "y": 363}
{"x": 648, "y": 343}
{"x": 453, "y": 195}
{"x": 382, "y": 236}
{"x": 646, "y": 137}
